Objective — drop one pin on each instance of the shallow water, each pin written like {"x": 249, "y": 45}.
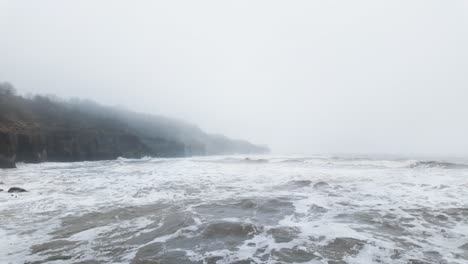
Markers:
{"x": 236, "y": 210}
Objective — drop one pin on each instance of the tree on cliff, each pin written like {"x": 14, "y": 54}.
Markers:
{"x": 40, "y": 128}
{"x": 7, "y": 88}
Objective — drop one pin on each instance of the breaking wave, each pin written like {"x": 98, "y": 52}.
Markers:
{"x": 334, "y": 161}
{"x": 259, "y": 209}
{"x": 437, "y": 164}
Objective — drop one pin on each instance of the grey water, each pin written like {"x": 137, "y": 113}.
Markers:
{"x": 239, "y": 209}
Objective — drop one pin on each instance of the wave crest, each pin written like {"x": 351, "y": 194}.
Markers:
{"x": 437, "y": 164}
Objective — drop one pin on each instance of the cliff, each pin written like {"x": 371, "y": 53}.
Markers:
{"x": 40, "y": 129}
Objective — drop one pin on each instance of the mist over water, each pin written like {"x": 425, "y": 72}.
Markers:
{"x": 257, "y": 209}
{"x": 363, "y": 105}
{"x": 306, "y": 77}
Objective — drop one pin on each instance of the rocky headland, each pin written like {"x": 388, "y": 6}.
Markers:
{"x": 39, "y": 129}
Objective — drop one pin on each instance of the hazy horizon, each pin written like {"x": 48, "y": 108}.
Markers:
{"x": 301, "y": 77}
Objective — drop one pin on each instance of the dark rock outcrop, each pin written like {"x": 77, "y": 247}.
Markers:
{"x": 43, "y": 129}
{"x": 69, "y": 146}
{"x": 30, "y": 148}
{"x": 7, "y": 150}
{"x": 16, "y": 190}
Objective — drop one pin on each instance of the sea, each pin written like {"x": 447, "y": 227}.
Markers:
{"x": 236, "y": 209}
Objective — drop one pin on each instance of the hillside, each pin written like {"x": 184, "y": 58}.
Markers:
{"x": 43, "y": 129}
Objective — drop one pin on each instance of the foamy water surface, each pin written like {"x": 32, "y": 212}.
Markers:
{"x": 236, "y": 210}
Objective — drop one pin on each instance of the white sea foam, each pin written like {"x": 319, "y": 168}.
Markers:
{"x": 364, "y": 210}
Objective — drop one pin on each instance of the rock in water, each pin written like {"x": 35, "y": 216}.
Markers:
{"x": 16, "y": 190}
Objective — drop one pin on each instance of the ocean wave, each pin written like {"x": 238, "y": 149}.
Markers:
{"x": 235, "y": 210}
{"x": 234, "y": 160}
{"x": 437, "y": 164}
{"x": 345, "y": 162}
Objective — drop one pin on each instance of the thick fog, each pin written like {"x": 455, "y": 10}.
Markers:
{"x": 303, "y": 77}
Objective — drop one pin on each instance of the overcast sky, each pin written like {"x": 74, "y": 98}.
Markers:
{"x": 301, "y": 76}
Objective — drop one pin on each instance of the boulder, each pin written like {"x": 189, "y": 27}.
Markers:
{"x": 16, "y": 190}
